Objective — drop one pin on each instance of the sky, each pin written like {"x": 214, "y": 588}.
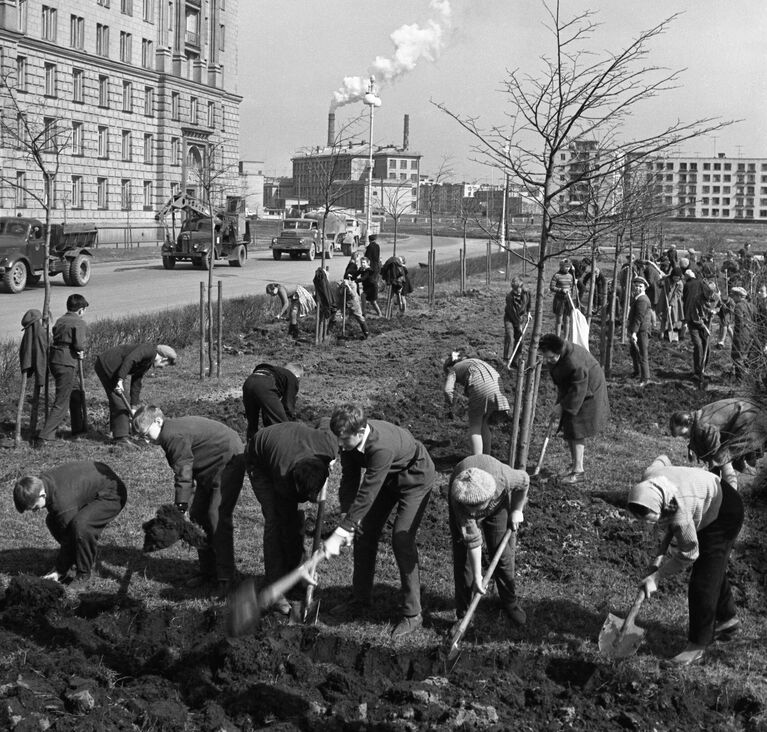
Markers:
{"x": 293, "y": 57}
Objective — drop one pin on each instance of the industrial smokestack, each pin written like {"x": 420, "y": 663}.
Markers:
{"x": 331, "y": 129}
{"x": 406, "y": 133}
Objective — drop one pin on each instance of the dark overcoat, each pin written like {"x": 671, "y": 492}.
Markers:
{"x": 581, "y": 392}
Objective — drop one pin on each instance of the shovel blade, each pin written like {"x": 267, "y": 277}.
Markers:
{"x": 617, "y": 641}
{"x": 244, "y": 611}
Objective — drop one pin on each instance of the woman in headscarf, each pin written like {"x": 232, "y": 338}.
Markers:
{"x": 701, "y": 516}
{"x": 481, "y": 385}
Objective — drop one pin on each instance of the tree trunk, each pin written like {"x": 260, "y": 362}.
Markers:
{"x": 610, "y": 340}
{"x": 209, "y": 324}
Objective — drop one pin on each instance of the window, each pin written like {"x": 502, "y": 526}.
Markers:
{"x": 77, "y": 138}
{"x": 148, "y": 149}
{"x": 221, "y": 36}
{"x": 21, "y": 16}
{"x": 148, "y": 10}
{"x": 103, "y": 3}
{"x": 147, "y": 53}
{"x": 175, "y": 105}
{"x": 125, "y": 194}
{"x": 49, "y": 134}
{"x": 103, "y": 141}
{"x": 21, "y": 190}
{"x": 727, "y": 166}
{"x": 211, "y": 114}
{"x": 717, "y": 166}
{"x": 193, "y": 110}
{"x": 21, "y": 73}
{"x": 126, "y": 47}
{"x": 50, "y": 17}
{"x": 102, "y": 193}
{"x": 413, "y": 164}
{"x": 126, "y": 7}
{"x": 77, "y": 191}
{"x": 392, "y": 163}
{"x": 50, "y": 80}
{"x": 102, "y": 40}
{"x": 103, "y": 91}
{"x": 149, "y": 101}
{"x": 175, "y": 151}
{"x": 706, "y": 166}
{"x": 76, "y": 32}
{"x": 127, "y": 96}
{"x": 403, "y": 163}
{"x": 77, "y": 86}
{"x": 127, "y": 145}
{"x": 147, "y": 195}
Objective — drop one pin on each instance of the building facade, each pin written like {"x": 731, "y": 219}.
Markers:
{"x": 142, "y": 93}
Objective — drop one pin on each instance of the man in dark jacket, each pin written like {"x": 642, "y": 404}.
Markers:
{"x": 695, "y": 297}
{"x": 398, "y": 473}
{"x": 271, "y": 392}
{"x": 114, "y": 366}
{"x": 582, "y": 408}
{"x": 32, "y": 360}
{"x": 639, "y": 326}
{"x": 373, "y": 253}
{"x": 515, "y": 317}
{"x": 207, "y": 459}
{"x": 69, "y": 339}
{"x": 288, "y": 464}
{"x": 81, "y": 499}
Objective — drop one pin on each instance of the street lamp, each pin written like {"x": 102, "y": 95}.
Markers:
{"x": 372, "y": 100}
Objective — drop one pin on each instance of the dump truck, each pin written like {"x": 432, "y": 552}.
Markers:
{"x": 301, "y": 236}
{"x": 22, "y": 252}
{"x": 199, "y": 228}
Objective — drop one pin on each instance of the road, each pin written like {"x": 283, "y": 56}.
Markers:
{"x": 143, "y": 286}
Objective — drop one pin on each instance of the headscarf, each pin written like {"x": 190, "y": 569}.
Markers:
{"x": 655, "y": 493}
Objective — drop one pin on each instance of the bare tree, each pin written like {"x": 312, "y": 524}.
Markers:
{"x": 36, "y": 139}
{"x": 577, "y": 95}
{"x": 396, "y": 201}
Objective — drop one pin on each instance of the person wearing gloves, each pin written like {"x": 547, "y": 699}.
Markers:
{"x": 288, "y": 464}
{"x": 271, "y": 392}
{"x": 207, "y": 459}
{"x": 582, "y": 409}
{"x": 114, "y": 366}
{"x": 399, "y": 473}
{"x": 486, "y": 497}
{"x": 639, "y": 327}
{"x": 723, "y": 435}
{"x": 482, "y": 387}
{"x": 81, "y": 498}
{"x": 701, "y": 516}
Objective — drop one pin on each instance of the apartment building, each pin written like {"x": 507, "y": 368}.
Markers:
{"x": 144, "y": 90}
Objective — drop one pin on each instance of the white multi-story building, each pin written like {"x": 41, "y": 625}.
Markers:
{"x": 146, "y": 91}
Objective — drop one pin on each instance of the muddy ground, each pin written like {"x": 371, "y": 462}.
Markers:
{"x": 106, "y": 661}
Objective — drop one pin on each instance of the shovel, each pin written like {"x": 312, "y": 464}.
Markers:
{"x": 621, "y": 638}
{"x": 84, "y": 403}
{"x": 246, "y": 605}
{"x": 455, "y": 650}
{"x": 310, "y": 606}
{"x": 539, "y": 464}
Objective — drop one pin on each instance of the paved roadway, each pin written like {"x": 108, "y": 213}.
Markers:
{"x": 141, "y": 286}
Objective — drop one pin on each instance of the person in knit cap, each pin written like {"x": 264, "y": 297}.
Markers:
{"x": 701, "y": 516}
{"x": 481, "y": 384}
{"x": 114, "y": 366}
{"x": 486, "y": 498}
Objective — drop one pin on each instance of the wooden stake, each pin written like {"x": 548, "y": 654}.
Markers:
{"x": 202, "y": 331}
{"x": 219, "y": 329}
{"x": 20, "y": 410}
{"x": 516, "y": 413}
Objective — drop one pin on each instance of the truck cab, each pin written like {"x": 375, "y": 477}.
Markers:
{"x": 297, "y": 237}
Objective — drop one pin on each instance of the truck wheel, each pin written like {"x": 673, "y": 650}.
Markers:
{"x": 312, "y": 253}
{"x": 329, "y": 252}
{"x": 346, "y": 250}
{"x": 276, "y": 254}
{"x": 80, "y": 270}
{"x": 15, "y": 278}
{"x": 197, "y": 262}
{"x": 205, "y": 262}
{"x": 240, "y": 254}
{"x": 168, "y": 262}
{"x": 33, "y": 279}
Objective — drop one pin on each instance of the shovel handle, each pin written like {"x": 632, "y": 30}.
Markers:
{"x": 631, "y": 617}
{"x": 269, "y": 594}
{"x": 477, "y": 596}
{"x": 316, "y": 542}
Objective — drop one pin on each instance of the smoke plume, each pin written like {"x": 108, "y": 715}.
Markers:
{"x": 411, "y": 44}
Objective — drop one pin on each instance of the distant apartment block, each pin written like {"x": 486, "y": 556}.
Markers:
{"x": 147, "y": 88}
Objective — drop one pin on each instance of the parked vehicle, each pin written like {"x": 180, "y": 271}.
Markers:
{"x": 22, "y": 252}
{"x": 302, "y": 236}
{"x": 200, "y": 228}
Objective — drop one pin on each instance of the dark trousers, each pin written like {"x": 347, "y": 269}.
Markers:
{"x": 283, "y": 526}
{"x": 119, "y": 414}
{"x": 411, "y": 503}
{"x": 79, "y": 538}
{"x": 709, "y": 594}
{"x": 699, "y": 337}
{"x": 493, "y": 529}
{"x": 640, "y": 355}
{"x": 67, "y": 399}
{"x": 512, "y": 334}
{"x": 260, "y": 397}
{"x": 215, "y": 497}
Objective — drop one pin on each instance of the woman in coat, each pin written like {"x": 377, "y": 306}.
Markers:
{"x": 670, "y": 309}
{"x": 481, "y": 385}
{"x": 582, "y": 407}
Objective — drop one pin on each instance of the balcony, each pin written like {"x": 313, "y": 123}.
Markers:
{"x": 192, "y": 38}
